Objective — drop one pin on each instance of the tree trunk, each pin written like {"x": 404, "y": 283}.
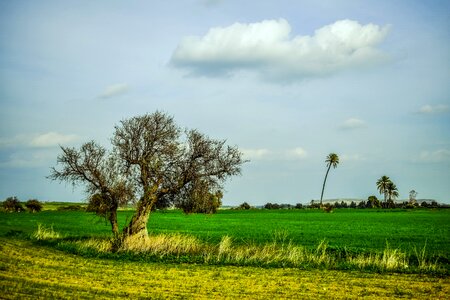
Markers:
{"x": 323, "y": 187}
{"x": 113, "y": 221}
{"x": 138, "y": 224}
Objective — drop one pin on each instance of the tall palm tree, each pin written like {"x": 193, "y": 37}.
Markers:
{"x": 382, "y": 185}
{"x": 332, "y": 160}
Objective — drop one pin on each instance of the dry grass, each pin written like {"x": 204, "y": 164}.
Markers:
{"x": 45, "y": 233}
{"x": 164, "y": 244}
{"x": 279, "y": 253}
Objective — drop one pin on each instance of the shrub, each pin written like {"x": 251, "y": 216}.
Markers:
{"x": 244, "y": 205}
{"x": 33, "y": 205}
{"x": 328, "y": 208}
{"x": 373, "y": 202}
{"x": 74, "y": 207}
{"x": 272, "y": 206}
{"x": 12, "y": 204}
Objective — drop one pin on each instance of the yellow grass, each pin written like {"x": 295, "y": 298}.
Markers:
{"x": 31, "y": 271}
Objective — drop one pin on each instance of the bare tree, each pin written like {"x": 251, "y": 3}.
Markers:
{"x": 154, "y": 161}
{"x": 92, "y": 167}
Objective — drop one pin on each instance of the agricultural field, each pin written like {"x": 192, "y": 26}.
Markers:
{"x": 63, "y": 265}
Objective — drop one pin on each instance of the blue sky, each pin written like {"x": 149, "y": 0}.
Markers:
{"x": 286, "y": 81}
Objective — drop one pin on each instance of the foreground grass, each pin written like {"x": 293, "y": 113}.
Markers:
{"x": 28, "y": 270}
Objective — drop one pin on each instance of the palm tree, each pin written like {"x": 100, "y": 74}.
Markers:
{"x": 392, "y": 192}
{"x": 382, "y": 185}
{"x": 332, "y": 160}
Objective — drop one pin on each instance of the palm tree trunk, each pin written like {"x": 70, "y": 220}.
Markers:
{"x": 323, "y": 187}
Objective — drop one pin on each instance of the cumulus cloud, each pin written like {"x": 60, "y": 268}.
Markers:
{"x": 352, "y": 123}
{"x": 269, "y": 49}
{"x": 434, "y": 109}
{"x": 51, "y": 139}
{"x": 437, "y": 156}
{"x": 114, "y": 90}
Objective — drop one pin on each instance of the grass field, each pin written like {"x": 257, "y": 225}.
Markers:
{"x": 356, "y": 230}
{"x": 31, "y": 268}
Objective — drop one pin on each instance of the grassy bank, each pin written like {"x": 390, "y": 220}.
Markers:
{"x": 28, "y": 270}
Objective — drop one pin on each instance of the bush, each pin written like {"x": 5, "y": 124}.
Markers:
{"x": 75, "y": 207}
{"x": 33, "y": 205}
{"x": 272, "y": 206}
{"x": 373, "y": 202}
{"x": 244, "y": 206}
{"x": 12, "y": 204}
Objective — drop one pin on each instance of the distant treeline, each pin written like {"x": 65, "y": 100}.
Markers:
{"x": 372, "y": 202}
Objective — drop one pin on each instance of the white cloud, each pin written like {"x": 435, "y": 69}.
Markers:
{"x": 265, "y": 154}
{"x": 441, "y": 155}
{"x": 269, "y": 49}
{"x": 436, "y": 109}
{"x": 114, "y": 90}
{"x": 44, "y": 140}
{"x": 51, "y": 139}
{"x": 297, "y": 153}
{"x": 352, "y": 123}
{"x": 255, "y": 154}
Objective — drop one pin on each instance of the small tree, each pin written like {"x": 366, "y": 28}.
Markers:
{"x": 199, "y": 199}
{"x": 33, "y": 205}
{"x": 12, "y": 204}
{"x": 412, "y": 197}
{"x": 373, "y": 202}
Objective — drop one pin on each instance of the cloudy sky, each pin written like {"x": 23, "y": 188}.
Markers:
{"x": 288, "y": 82}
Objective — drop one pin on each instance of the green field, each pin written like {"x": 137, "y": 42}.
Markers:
{"x": 50, "y": 269}
{"x": 356, "y": 230}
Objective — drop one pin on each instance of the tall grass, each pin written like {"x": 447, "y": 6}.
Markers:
{"x": 45, "y": 233}
{"x": 281, "y": 252}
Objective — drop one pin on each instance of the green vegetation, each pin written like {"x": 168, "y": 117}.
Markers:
{"x": 283, "y": 252}
{"x": 346, "y": 231}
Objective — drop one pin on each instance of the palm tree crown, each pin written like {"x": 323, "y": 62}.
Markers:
{"x": 332, "y": 160}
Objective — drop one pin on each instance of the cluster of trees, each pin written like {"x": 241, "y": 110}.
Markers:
{"x": 153, "y": 163}
{"x": 387, "y": 188}
{"x": 282, "y": 206}
{"x": 13, "y": 204}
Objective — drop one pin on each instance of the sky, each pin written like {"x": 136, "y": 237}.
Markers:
{"x": 287, "y": 82}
